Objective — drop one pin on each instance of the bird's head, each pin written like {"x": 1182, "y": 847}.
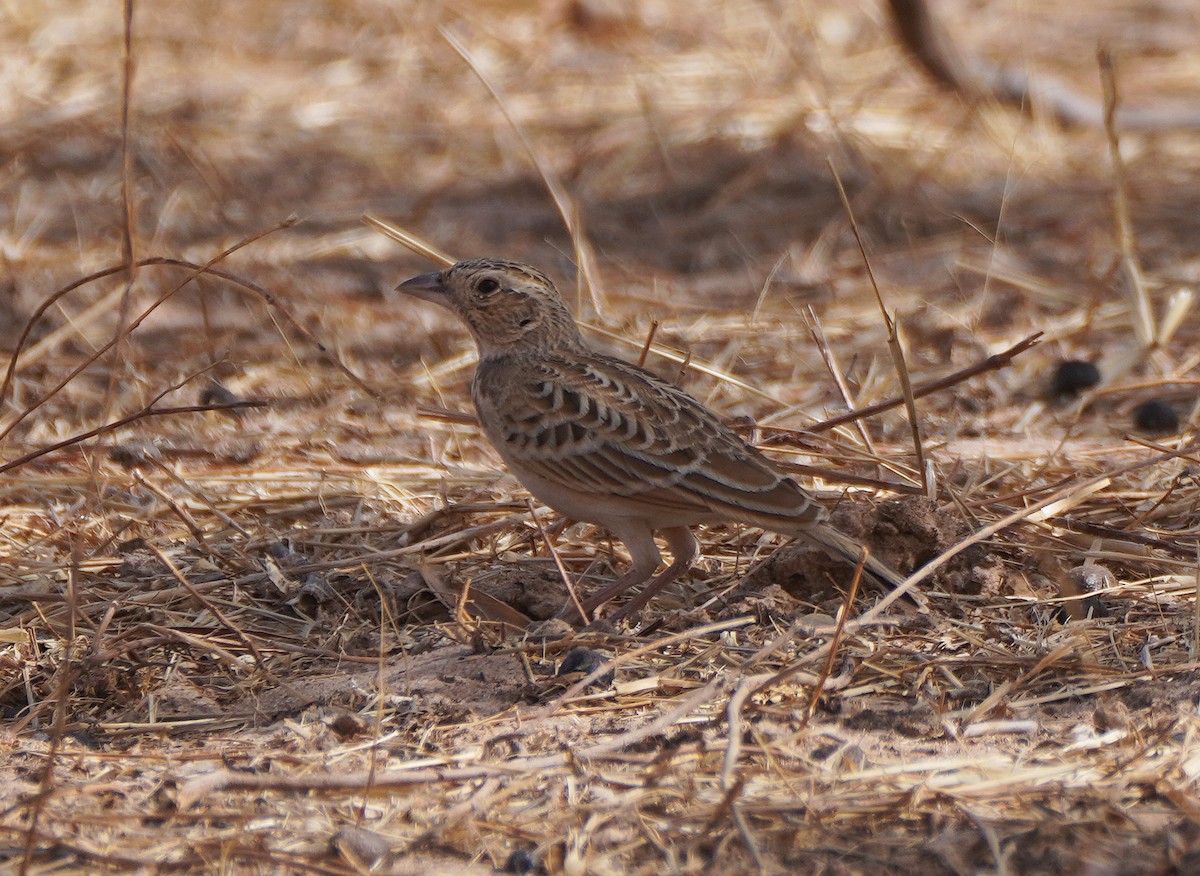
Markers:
{"x": 509, "y": 307}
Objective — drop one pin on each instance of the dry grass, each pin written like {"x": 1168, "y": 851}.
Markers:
{"x": 237, "y": 640}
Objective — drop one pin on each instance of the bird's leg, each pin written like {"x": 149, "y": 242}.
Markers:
{"x": 639, "y": 541}
{"x": 684, "y": 550}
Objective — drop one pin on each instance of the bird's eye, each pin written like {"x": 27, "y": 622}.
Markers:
{"x": 487, "y": 285}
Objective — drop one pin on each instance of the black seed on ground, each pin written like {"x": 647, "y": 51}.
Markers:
{"x": 1073, "y": 376}
{"x": 1156, "y": 415}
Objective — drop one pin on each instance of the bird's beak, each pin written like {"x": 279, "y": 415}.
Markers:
{"x": 427, "y": 286}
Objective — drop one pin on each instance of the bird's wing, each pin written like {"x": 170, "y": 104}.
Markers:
{"x": 603, "y": 427}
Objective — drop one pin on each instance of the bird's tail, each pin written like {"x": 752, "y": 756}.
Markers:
{"x": 840, "y": 545}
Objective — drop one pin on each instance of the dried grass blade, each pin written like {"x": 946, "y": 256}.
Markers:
{"x": 408, "y": 239}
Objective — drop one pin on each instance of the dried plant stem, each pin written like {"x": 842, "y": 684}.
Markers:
{"x": 847, "y": 607}
{"x": 567, "y": 208}
{"x": 407, "y": 238}
{"x": 839, "y": 379}
{"x": 558, "y": 564}
{"x": 1142, "y": 310}
{"x": 66, "y": 675}
{"x": 128, "y": 208}
{"x": 122, "y": 332}
{"x": 144, "y": 413}
{"x": 641, "y": 360}
{"x": 892, "y": 334}
{"x": 991, "y": 363}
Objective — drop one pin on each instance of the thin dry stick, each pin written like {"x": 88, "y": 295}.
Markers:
{"x": 216, "y": 612}
{"x": 66, "y": 676}
{"x": 10, "y": 369}
{"x": 817, "y": 331}
{"x": 733, "y": 789}
{"x": 649, "y": 342}
{"x": 386, "y": 622}
{"x": 1143, "y": 308}
{"x": 468, "y": 626}
{"x": 827, "y": 670}
{"x": 733, "y": 735}
{"x": 193, "y": 526}
{"x": 112, "y": 342}
{"x": 562, "y": 570}
{"x": 991, "y": 363}
{"x": 1008, "y": 691}
{"x": 170, "y": 475}
{"x": 893, "y": 334}
{"x": 408, "y": 239}
{"x": 684, "y": 361}
{"x": 567, "y": 208}
{"x": 129, "y": 218}
{"x": 766, "y": 286}
{"x": 841, "y": 477}
{"x": 127, "y": 201}
{"x": 246, "y": 285}
{"x": 1196, "y": 610}
{"x": 148, "y": 411}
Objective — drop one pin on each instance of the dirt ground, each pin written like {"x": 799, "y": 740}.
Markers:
{"x": 309, "y": 634}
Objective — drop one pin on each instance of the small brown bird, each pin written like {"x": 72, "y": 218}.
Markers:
{"x": 602, "y": 440}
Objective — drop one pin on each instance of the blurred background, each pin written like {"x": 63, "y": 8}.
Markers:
{"x": 691, "y": 142}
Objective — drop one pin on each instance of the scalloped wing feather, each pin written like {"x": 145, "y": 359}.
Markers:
{"x": 602, "y": 427}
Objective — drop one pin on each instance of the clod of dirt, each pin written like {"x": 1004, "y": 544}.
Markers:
{"x": 131, "y": 454}
{"x": 532, "y": 588}
{"x": 905, "y": 533}
{"x": 347, "y": 725}
{"x": 551, "y": 630}
{"x": 140, "y": 563}
{"x": 886, "y": 721}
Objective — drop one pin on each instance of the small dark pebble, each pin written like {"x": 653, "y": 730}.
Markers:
{"x": 363, "y": 848}
{"x": 823, "y": 752}
{"x": 1156, "y": 416}
{"x": 133, "y": 545}
{"x": 132, "y": 454}
{"x": 215, "y": 393}
{"x": 1092, "y": 580}
{"x": 85, "y": 739}
{"x": 1072, "y": 377}
{"x": 282, "y": 549}
{"x": 347, "y": 725}
{"x": 585, "y": 660}
{"x": 522, "y": 861}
